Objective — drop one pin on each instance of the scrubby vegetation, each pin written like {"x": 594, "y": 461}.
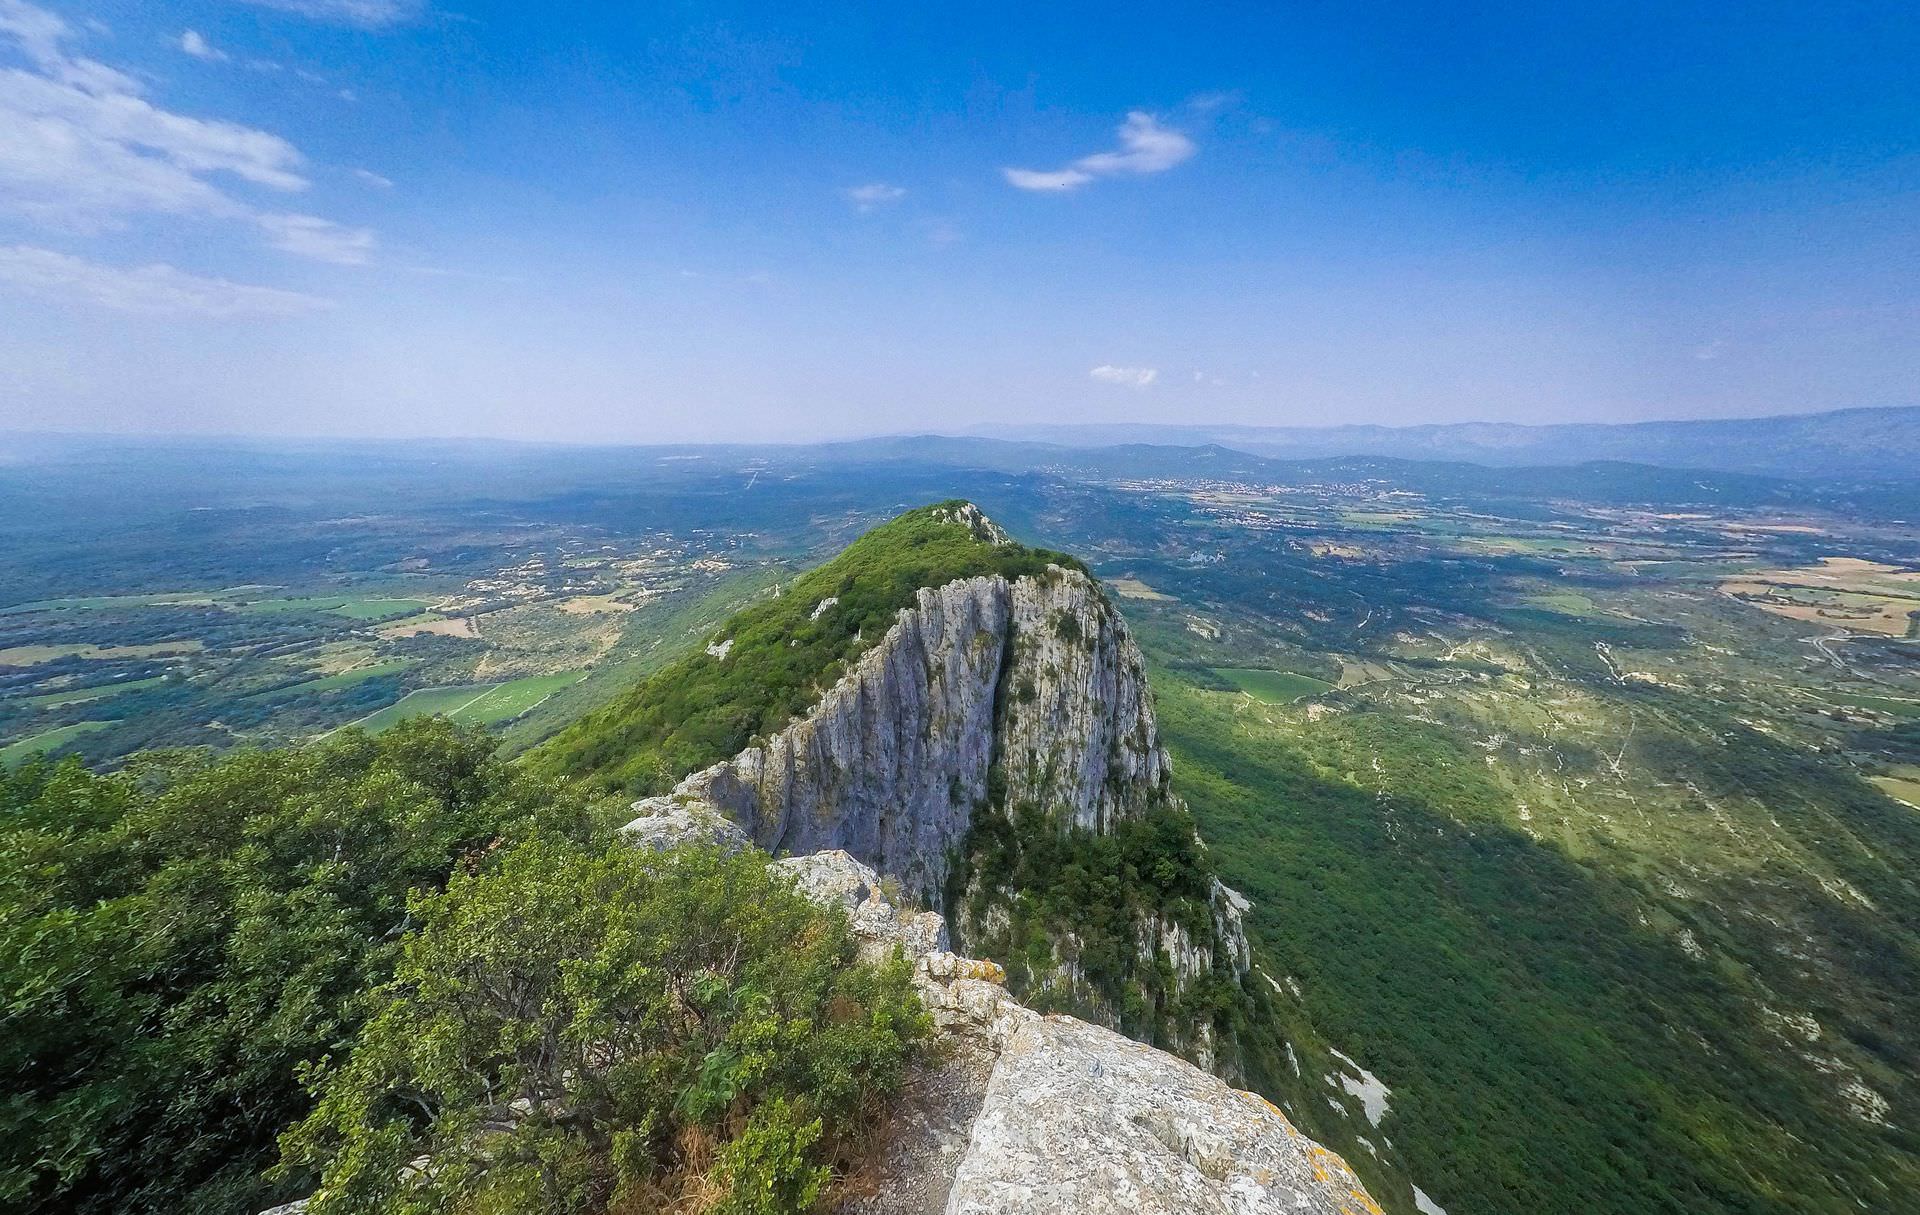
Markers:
{"x": 1038, "y": 894}
{"x": 175, "y": 939}
{"x": 181, "y": 940}
{"x": 775, "y": 659}
{"x": 606, "y": 1029}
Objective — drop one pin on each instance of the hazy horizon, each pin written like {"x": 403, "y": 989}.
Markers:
{"x": 755, "y": 223}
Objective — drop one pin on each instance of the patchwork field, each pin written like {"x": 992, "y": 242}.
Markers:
{"x": 1272, "y": 687}
{"x": 33, "y": 655}
{"x": 1846, "y": 592}
{"x": 352, "y": 607}
{"x": 47, "y": 740}
{"x": 472, "y": 704}
{"x": 1133, "y": 588}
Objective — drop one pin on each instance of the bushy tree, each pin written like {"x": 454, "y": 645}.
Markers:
{"x": 579, "y": 1029}
{"x": 176, "y": 939}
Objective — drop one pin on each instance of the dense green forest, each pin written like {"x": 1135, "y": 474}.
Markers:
{"x": 194, "y": 949}
{"x": 1544, "y": 1041}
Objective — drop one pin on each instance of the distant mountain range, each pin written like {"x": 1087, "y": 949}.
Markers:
{"x": 1870, "y": 444}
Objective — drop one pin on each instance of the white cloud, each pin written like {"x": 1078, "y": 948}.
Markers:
{"x": 155, "y": 290}
{"x": 193, "y": 44}
{"x": 367, "y": 14}
{"x": 82, "y": 148}
{"x": 874, "y": 195}
{"x": 374, "y": 179}
{"x": 320, "y": 239}
{"x": 1145, "y": 147}
{"x": 1038, "y": 179}
{"x": 1130, "y": 377}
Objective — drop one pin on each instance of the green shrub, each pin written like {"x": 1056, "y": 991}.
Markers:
{"x": 576, "y": 1029}
{"x": 177, "y": 939}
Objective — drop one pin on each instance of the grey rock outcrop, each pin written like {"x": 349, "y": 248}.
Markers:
{"x": 1078, "y": 1120}
{"x": 1017, "y": 1113}
{"x": 668, "y": 822}
{"x": 835, "y": 879}
{"x": 891, "y": 762}
{"x": 1037, "y": 678}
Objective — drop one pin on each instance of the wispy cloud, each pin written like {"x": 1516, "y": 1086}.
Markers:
{"x": 874, "y": 195}
{"x": 82, "y": 148}
{"x": 1127, "y": 377}
{"x": 194, "y": 44}
{"x": 366, "y": 14}
{"x": 316, "y": 238}
{"x": 374, "y": 179}
{"x": 1145, "y": 147}
{"x": 155, "y": 290}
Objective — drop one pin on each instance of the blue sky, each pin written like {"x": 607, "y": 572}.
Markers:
{"x": 782, "y": 221}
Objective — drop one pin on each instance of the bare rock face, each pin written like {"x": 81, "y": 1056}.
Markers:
{"x": 1078, "y": 1120}
{"x": 1039, "y": 673}
{"x": 835, "y": 879}
{"x": 891, "y": 762}
{"x": 1076, "y": 728}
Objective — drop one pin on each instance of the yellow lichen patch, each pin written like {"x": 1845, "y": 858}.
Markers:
{"x": 1275, "y": 1110}
{"x": 980, "y": 968}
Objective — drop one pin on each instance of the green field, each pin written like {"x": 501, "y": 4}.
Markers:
{"x": 165, "y": 599}
{"x": 354, "y": 607}
{"x": 484, "y": 704}
{"x": 1904, "y": 788}
{"x": 1567, "y": 603}
{"x": 346, "y": 679}
{"x": 74, "y": 696}
{"x": 1883, "y": 704}
{"x": 1273, "y": 687}
{"x": 19, "y": 752}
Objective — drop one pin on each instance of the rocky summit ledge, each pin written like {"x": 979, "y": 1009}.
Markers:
{"x": 1015, "y": 1113}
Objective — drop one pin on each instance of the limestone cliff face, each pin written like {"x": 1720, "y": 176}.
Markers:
{"x": 986, "y": 694}
{"x": 1038, "y": 673}
{"x": 891, "y": 762}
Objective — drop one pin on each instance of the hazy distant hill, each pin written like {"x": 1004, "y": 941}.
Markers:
{"x": 1875, "y": 443}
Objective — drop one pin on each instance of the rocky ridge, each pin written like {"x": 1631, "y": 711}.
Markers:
{"x": 1014, "y": 1112}
{"x": 987, "y": 696}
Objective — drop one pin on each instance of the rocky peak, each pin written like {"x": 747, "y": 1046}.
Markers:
{"x": 971, "y": 517}
{"x": 1003, "y": 705}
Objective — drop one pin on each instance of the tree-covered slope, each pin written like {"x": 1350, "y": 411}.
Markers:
{"x": 1551, "y": 1041}
{"x": 180, "y": 939}
{"x": 772, "y": 661}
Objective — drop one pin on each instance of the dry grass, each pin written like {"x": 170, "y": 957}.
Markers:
{"x": 1133, "y": 588}
{"x": 445, "y": 626}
